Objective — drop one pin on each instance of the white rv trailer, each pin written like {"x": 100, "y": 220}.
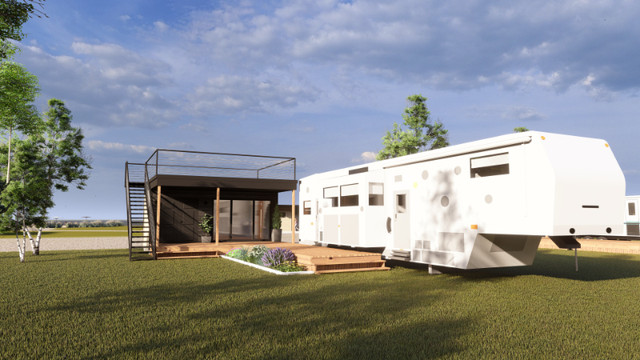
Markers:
{"x": 631, "y": 216}
{"x": 481, "y": 204}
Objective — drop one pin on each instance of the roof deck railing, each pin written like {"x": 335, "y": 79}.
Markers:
{"x": 198, "y": 163}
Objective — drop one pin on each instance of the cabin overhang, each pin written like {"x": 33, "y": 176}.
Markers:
{"x": 188, "y": 181}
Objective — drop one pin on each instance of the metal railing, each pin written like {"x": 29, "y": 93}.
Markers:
{"x": 129, "y": 222}
{"x": 198, "y": 163}
{"x": 152, "y": 221}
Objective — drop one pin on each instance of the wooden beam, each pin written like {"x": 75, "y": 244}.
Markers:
{"x": 217, "y": 216}
{"x": 260, "y": 218}
{"x": 158, "y": 216}
{"x": 293, "y": 216}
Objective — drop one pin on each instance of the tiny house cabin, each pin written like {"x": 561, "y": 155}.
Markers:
{"x": 481, "y": 204}
{"x": 631, "y": 216}
{"x": 169, "y": 195}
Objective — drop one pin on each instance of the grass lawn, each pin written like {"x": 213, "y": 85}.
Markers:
{"x": 97, "y": 304}
{"x": 75, "y": 232}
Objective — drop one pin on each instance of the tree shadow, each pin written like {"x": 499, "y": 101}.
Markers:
{"x": 283, "y": 317}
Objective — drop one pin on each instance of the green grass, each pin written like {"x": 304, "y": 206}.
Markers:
{"x": 75, "y": 232}
{"x": 97, "y": 304}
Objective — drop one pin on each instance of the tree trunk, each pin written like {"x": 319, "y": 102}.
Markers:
{"x": 35, "y": 245}
{"x": 21, "y": 248}
{"x": 9, "y": 157}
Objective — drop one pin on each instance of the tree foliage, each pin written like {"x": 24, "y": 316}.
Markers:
{"x": 19, "y": 89}
{"x": 520, "y": 129}
{"x": 60, "y": 146}
{"x": 419, "y": 135}
{"x": 13, "y": 14}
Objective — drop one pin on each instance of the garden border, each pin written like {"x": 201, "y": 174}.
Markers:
{"x": 264, "y": 268}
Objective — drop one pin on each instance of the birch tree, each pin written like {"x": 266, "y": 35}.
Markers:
{"x": 420, "y": 134}
{"x": 49, "y": 159}
{"x": 27, "y": 196}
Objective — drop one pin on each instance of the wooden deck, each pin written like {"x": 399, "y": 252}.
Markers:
{"x": 318, "y": 259}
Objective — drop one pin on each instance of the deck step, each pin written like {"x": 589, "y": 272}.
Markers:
{"x": 384, "y": 268}
{"x": 345, "y": 267}
{"x": 198, "y": 254}
{"x": 401, "y": 255}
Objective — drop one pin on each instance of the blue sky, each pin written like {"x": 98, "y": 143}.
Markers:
{"x": 323, "y": 80}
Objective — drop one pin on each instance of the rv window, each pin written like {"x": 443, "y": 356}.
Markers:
{"x": 632, "y": 209}
{"x": 307, "y": 207}
{"x": 401, "y": 203}
{"x": 490, "y": 165}
{"x": 332, "y": 194}
{"x": 376, "y": 194}
{"x": 349, "y": 195}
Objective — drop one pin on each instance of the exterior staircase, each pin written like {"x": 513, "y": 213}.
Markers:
{"x": 141, "y": 245}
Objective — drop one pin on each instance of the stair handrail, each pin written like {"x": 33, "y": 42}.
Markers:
{"x": 129, "y": 222}
{"x": 150, "y": 216}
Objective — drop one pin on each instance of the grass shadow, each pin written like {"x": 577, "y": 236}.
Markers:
{"x": 280, "y": 317}
{"x": 555, "y": 264}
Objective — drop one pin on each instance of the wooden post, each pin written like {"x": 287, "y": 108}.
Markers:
{"x": 293, "y": 217}
{"x": 217, "y": 216}
{"x": 260, "y": 218}
{"x": 158, "y": 216}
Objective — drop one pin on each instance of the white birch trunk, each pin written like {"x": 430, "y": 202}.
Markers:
{"x": 21, "y": 248}
{"x": 35, "y": 244}
{"x": 9, "y": 157}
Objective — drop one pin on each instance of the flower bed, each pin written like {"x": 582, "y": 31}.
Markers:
{"x": 279, "y": 261}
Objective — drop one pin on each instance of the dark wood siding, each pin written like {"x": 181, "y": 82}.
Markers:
{"x": 182, "y": 208}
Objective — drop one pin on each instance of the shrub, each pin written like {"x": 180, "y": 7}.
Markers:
{"x": 277, "y": 256}
{"x": 256, "y": 253}
{"x": 289, "y": 267}
{"x": 238, "y": 253}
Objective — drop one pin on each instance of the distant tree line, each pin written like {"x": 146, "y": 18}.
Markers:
{"x": 57, "y": 224}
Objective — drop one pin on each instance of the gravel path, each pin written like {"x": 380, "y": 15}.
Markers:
{"x": 79, "y": 243}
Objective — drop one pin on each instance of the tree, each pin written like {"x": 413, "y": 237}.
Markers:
{"x": 19, "y": 89}
{"x": 520, "y": 129}
{"x": 27, "y": 197}
{"x": 60, "y": 146}
{"x": 420, "y": 134}
{"x": 13, "y": 14}
{"x": 49, "y": 159}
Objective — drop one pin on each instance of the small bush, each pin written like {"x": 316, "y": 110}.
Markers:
{"x": 277, "y": 256}
{"x": 289, "y": 267}
{"x": 256, "y": 253}
{"x": 238, "y": 253}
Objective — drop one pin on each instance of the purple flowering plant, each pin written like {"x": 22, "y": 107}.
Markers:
{"x": 278, "y": 256}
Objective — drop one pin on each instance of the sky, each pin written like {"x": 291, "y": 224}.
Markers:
{"x": 323, "y": 80}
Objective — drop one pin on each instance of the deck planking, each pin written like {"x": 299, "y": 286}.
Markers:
{"x": 315, "y": 258}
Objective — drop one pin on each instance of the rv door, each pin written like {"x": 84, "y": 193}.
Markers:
{"x": 632, "y": 218}
{"x": 401, "y": 239}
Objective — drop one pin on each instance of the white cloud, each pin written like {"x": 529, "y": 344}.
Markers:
{"x": 123, "y": 66}
{"x": 367, "y": 156}
{"x": 161, "y": 26}
{"x": 99, "y": 145}
{"x": 234, "y": 94}
{"x": 108, "y": 85}
{"x": 522, "y": 113}
{"x": 448, "y": 46}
